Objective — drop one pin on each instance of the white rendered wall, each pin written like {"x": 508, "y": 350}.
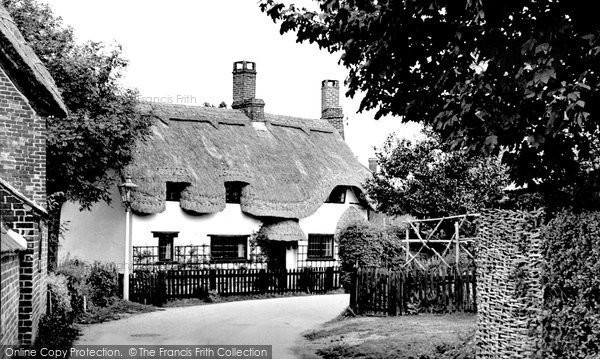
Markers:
{"x": 94, "y": 235}
{"x": 193, "y": 229}
{"x": 99, "y": 234}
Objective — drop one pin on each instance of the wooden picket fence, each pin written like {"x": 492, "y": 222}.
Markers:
{"x": 157, "y": 287}
{"x": 376, "y": 291}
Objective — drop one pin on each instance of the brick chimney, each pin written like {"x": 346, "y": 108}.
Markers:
{"x": 244, "y": 91}
{"x": 330, "y": 105}
{"x": 373, "y": 164}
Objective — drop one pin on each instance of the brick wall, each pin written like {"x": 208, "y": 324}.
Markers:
{"x": 330, "y": 105}
{"x": 9, "y": 299}
{"x": 23, "y": 166}
{"x": 33, "y": 270}
{"x": 22, "y": 143}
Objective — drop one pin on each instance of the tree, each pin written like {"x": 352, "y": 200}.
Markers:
{"x": 521, "y": 77}
{"x": 427, "y": 180}
{"x": 103, "y": 123}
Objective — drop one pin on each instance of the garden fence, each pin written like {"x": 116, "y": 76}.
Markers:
{"x": 157, "y": 287}
{"x": 376, "y": 291}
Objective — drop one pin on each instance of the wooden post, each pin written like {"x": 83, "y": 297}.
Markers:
{"x": 212, "y": 279}
{"x": 328, "y": 279}
{"x": 407, "y": 244}
{"x": 457, "y": 249}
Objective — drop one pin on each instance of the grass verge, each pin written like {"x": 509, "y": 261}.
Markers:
{"x": 117, "y": 310}
{"x": 406, "y": 337}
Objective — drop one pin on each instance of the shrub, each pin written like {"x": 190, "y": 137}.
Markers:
{"x": 76, "y": 273}
{"x": 60, "y": 298}
{"x": 56, "y": 329}
{"x": 362, "y": 245}
{"x": 103, "y": 284}
{"x": 571, "y": 317}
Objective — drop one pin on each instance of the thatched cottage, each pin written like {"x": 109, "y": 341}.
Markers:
{"x": 230, "y": 187}
{"x": 27, "y": 96}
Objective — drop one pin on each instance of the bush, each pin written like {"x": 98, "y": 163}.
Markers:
{"x": 99, "y": 283}
{"x": 56, "y": 329}
{"x": 103, "y": 284}
{"x": 362, "y": 245}
{"x": 571, "y": 317}
{"x": 76, "y": 273}
{"x": 60, "y": 298}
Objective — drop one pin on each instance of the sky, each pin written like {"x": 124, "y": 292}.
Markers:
{"x": 183, "y": 51}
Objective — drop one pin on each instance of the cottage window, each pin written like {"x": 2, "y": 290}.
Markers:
{"x": 233, "y": 192}
{"x": 228, "y": 248}
{"x": 320, "y": 246}
{"x": 165, "y": 245}
{"x": 338, "y": 195}
{"x": 174, "y": 190}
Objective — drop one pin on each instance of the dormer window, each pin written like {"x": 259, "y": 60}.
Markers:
{"x": 338, "y": 195}
{"x": 174, "y": 190}
{"x": 233, "y": 192}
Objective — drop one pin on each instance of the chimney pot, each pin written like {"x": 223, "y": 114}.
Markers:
{"x": 244, "y": 91}
{"x": 373, "y": 164}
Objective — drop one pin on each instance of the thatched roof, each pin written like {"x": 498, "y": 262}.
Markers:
{"x": 27, "y": 71}
{"x": 290, "y": 164}
{"x": 287, "y": 230}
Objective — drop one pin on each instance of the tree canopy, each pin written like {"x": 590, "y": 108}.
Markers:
{"x": 517, "y": 77}
{"x": 427, "y": 180}
{"x": 103, "y": 123}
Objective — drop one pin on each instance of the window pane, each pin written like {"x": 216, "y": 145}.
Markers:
{"x": 320, "y": 245}
{"x": 229, "y": 247}
{"x": 174, "y": 190}
{"x": 338, "y": 195}
{"x": 165, "y": 249}
{"x": 233, "y": 192}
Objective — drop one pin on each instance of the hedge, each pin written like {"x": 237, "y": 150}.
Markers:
{"x": 571, "y": 276}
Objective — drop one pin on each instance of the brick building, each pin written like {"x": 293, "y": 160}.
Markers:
{"x": 28, "y": 96}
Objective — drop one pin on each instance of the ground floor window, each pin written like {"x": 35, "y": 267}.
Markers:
{"x": 165, "y": 245}
{"x": 228, "y": 248}
{"x": 320, "y": 246}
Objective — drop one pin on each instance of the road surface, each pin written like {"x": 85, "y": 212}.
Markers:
{"x": 278, "y": 322}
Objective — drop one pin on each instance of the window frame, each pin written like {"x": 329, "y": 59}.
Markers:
{"x": 323, "y": 255}
{"x": 344, "y": 194}
{"x": 165, "y": 236}
{"x": 173, "y": 190}
{"x": 242, "y": 238}
{"x": 233, "y": 192}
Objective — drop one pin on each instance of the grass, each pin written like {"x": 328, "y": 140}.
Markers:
{"x": 117, "y": 310}
{"x": 406, "y": 337}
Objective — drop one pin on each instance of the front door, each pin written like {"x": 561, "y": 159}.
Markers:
{"x": 277, "y": 255}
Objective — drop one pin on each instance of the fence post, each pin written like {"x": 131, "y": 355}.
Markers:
{"x": 457, "y": 250}
{"x": 212, "y": 279}
{"x": 161, "y": 289}
{"x": 328, "y": 279}
{"x": 263, "y": 282}
{"x": 407, "y": 245}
